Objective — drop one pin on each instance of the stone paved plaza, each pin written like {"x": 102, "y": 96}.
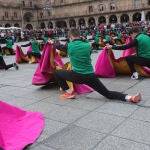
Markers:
{"x": 90, "y": 122}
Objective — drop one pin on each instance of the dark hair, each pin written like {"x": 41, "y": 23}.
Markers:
{"x": 134, "y": 30}
{"x": 74, "y": 32}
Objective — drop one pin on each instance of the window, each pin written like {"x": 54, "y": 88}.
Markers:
{"x": 23, "y": 3}
{"x": 41, "y": 15}
{"x": 90, "y": 9}
{"x": 15, "y": 14}
{"x": 112, "y": 6}
{"x": 101, "y": 7}
{"x": 6, "y": 14}
{"x": 137, "y": 3}
{"x": 30, "y": 4}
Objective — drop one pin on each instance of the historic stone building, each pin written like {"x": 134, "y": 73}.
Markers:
{"x": 94, "y": 12}
{"x": 66, "y": 13}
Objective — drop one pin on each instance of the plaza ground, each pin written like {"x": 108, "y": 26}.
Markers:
{"x": 90, "y": 122}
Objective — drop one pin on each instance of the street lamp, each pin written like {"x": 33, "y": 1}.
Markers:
{"x": 47, "y": 7}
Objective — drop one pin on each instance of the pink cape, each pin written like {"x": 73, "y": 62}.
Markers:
{"x": 103, "y": 66}
{"x": 49, "y": 61}
{"x": 129, "y": 51}
{"x": 18, "y": 128}
{"x": 20, "y": 56}
{"x": 108, "y": 66}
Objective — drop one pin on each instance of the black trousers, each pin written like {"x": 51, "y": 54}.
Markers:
{"x": 2, "y": 62}
{"x": 132, "y": 60}
{"x": 89, "y": 79}
{"x": 38, "y": 55}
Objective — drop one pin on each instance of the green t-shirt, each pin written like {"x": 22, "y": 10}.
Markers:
{"x": 107, "y": 38}
{"x": 119, "y": 36}
{"x": 35, "y": 47}
{"x": 143, "y": 47}
{"x": 96, "y": 39}
{"x": 45, "y": 39}
{"x": 80, "y": 57}
{"x": 9, "y": 43}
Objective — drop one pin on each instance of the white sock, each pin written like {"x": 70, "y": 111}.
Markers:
{"x": 69, "y": 91}
{"x": 127, "y": 98}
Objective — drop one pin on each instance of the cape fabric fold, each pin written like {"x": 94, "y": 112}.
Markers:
{"x": 20, "y": 56}
{"x": 107, "y": 63}
{"x": 18, "y": 128}
{"x": 129, "y": 51}
{"x": 50, "y": 61}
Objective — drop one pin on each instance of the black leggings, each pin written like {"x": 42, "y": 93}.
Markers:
{"x": 89, "y": 79}
{"x": 38, "y": 55}
{"x": 2, "y": 62}
{"x": 132, "y": 60}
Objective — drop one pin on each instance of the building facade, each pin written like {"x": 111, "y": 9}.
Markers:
{"x": 36, "y": 14}
{"x": 96, "y": 12}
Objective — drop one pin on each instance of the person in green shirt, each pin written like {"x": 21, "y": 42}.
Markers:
{"x": 9, "y": 46}
{"x": 83, "y": 72}
{"x": 35, "y": 48}
{"x": 142, "y": 44}
{"x": 3, "y": 65}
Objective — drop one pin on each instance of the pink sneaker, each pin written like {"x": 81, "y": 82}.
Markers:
{"x": 136, "y": 98}
{"x": 67, "y": 95}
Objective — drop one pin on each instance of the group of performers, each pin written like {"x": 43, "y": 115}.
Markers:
{"x": 79, "y": 50}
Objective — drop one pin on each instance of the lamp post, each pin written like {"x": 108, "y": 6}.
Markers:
{"x": 21, "y": 10}
{"x": 47, "y": 7}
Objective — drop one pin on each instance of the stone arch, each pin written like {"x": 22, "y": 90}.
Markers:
{"x": 148, "y": 16}
{"x": 91, "y": 21}
{"x": 113, "y": 19}
{"x": 101, "y": 20}
{"x": 50, "y": 25}
{"x": 28, "y": 16}
{"x": 43, "y": 25}
{"x": 16, "y": 25}
{"x": 124, "y": 18}
{"x": 72, "y": 23}
{"x": 7, "y": 25}
{"x": 29, "y": 26}
{"x": 81, "y": 21}
{"x": 61, "y": 24}
{"x": 136, "y": 17}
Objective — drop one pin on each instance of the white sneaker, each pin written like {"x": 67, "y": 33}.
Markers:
{"x": 135, "y": 76}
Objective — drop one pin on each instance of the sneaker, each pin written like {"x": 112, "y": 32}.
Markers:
{"x": 135, "y": 76}
{"x": 67, "y": 95}
{"x": 136, "y": 98}
{"x": 16, "y": 66}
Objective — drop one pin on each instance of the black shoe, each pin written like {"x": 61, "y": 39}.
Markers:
{"x": 16, "y": 66}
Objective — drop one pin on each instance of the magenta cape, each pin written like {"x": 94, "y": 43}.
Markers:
{"x": 108, "y": 66}
{"x": 20, "y": 56}
{"x": 51, "y": 60}
{"x": 129, "y": 51}
{"x": 18, "y": 128}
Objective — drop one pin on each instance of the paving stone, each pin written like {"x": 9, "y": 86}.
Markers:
{"x": 116, "y": 143}
{"x": 134, "y": 130}
{"x": 99, "y": 122}
{"x": 74, "y": 138}
{"x": 66, "y": 114}
{"x": 42, "y": 107}
{"x": 142, "y": 114}
{"x": 120, "y": 109}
